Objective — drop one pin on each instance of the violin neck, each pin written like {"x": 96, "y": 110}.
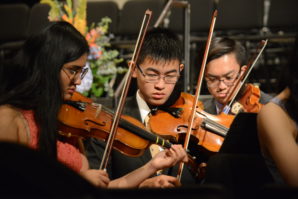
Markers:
{"x": 144, "y": 134}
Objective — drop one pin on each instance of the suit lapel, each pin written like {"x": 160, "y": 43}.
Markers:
{"x": 132, "y": 109}
{"x": 209, "y": 106}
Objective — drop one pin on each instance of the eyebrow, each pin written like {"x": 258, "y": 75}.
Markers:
{"x": 224, "y": 75}
{"x": 76, "y": 67}
{"x": 156, "y": 71}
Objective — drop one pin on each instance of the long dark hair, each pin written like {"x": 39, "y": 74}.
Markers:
{"x": 33, "y": 81}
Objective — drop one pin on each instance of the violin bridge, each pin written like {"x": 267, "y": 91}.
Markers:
{"x": 236, "y": 108}
{"x": 98, "y": 109}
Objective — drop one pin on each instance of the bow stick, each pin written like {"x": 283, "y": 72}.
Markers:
{"x": 198, "y": 90}
{"x": 119, "y": 110}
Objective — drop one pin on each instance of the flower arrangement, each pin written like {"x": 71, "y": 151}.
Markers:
{"x": 103, "y": 61}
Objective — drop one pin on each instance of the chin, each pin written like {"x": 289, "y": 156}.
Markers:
{"x": 67, "y": 96}
{"x": 157, "y": 102}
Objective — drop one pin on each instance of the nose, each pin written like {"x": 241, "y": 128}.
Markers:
{"x": 160, "y": 84}
{"x": 77, "y": 80}
{"x": 222, "y": 85}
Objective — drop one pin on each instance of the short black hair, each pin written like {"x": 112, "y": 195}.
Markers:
{"x": 222, "y": 45}
{"x": 161, "y": 45}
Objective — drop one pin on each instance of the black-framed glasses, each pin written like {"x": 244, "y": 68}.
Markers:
{"x": 75, "y": 73}
{"x": 154, "y": 78}
{"x": 228, "y": 80}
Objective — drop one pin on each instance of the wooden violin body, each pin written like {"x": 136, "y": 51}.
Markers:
{"x": 83, "y": 119}
{"x": 208, "y": 131}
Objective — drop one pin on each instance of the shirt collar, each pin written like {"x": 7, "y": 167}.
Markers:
{"x": 218, "y": 106}
{"x": 143, "y": 107}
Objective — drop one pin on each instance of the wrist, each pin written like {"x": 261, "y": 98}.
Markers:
{"x": 151, "y": 167}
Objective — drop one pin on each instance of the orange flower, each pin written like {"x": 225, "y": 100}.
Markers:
{"x": 65, "y": 18}
{"x": 92, "y": 35}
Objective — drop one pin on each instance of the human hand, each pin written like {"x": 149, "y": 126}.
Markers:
{"x": 169, "y": 157}
{"x": 99, "y": 178}
{"x": 161, "y": 181}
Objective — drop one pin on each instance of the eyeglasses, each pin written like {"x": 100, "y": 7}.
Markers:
{"x": 228, "y": 80}
{"x": 75, "y": 73}
{"x": 154, "y": 78}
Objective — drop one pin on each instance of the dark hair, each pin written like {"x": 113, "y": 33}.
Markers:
{"x": 33, "y": 81}
{"x": 222, "y": 45}
{"x": 291, "y": 81}
{"x": 161, "y": 45}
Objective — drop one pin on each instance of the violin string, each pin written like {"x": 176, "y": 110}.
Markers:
{"x": 218, "y": 128}
{"x": 213, "y": 125}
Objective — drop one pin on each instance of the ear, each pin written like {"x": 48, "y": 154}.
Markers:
{"x": 181, "y": 67}
{"x": 134, "y": 72}
{"x": 243, "y": 68}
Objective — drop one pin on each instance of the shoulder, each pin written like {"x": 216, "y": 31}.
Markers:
{"x": 12, "y": 124}
{"x": 272, "y": 119}
{"x": 8, "y": 114}
{"x": 132, "y": 108}
{"x": 131, "y": 101}
{"x": 271, "y": 112}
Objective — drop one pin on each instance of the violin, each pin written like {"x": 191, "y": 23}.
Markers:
{"x": 78, "y": 97}
{"x": 207, "y": 133}
{"x": 81, "y": 118}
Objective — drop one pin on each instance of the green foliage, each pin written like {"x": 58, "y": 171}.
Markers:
{"x": 104, "y": 68}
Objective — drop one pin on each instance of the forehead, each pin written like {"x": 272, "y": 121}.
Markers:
{"x": 223, "y": 65}
{"x": 80, "y": 62}
{"x": 160, "y": 65}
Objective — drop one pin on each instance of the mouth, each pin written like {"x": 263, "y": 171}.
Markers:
{"x": 222, "y": 95}
{"x": 158, "y": 96}
{"x": 71, "y": 90}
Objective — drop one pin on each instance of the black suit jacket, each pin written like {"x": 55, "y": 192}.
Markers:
{"x": 209, "y": 106}
{"x": 120, "y": 164}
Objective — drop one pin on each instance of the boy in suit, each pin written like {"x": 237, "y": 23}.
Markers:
{"x": 226, "y": 62}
